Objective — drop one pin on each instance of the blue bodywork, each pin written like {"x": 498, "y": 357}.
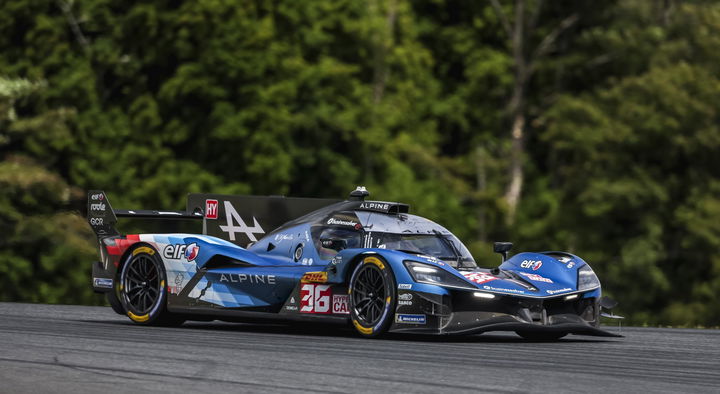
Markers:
{"x": 280, "y": 272}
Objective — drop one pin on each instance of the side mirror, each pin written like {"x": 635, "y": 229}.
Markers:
{"x": 503, "y": 248}
{"x": 333, "y": 243}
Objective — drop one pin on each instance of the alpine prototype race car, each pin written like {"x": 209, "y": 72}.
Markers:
{"x": 371, "y": 264}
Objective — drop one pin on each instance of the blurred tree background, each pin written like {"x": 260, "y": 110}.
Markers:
{"x": 560, "y": 125}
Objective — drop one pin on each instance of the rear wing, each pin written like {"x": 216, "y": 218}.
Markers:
{"x": 102, "y": 217}
{"x": 238, "y": 219}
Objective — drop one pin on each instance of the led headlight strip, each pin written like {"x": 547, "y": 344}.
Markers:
{"x": 432, "y": 275}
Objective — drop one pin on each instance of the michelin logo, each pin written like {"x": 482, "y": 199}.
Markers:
{"x": 411, "y": 319}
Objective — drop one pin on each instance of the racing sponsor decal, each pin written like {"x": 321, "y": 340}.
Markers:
{"x": 535, "y": 277}
{"x": 232, "y": 216}
{"x": 103, "y": 282}
{"x": 340, "y": 304}
{"x": 558, "y": 291}
{"x": 254, "y": 279}
{"x": 97, "y": 197}
{"x": 283, "y": 237}
{"x": 404, "y": 286}
{"x": 501, "y": 289}
{"x": 566, "y": 260}
{"x": 534, "y": 264}
{"x": 405, "y": 299}
{"x": 179, "y": 278}
{"x": 291, "y": 305}
{"x": 432, "y": 259}
{"x": 410, "y": 319}
{"x": 97, "y": 206}
{"x": 96, "y": 221}
{"x": 375, "y": 205}
{"x": 178, "y": 251}
{"x": 211, "y": 209}
{"x": 341, "y": 222}
{"x": 315, "y": 298}
{"x": 479, "y": 277}
{"x": 336, "y": 260}
{"x": 314, "y": 277}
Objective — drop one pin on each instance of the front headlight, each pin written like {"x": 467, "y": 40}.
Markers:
{"x": 429, "y": 274}
{"x": 587, "y": 279}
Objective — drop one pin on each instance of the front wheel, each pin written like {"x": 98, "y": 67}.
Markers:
{"x": 143, "y": 290}
{"x": 372, "y": 297}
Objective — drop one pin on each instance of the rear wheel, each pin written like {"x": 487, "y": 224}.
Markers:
{"x": 372, "y": 297}
{"x": 143, "y": 290}
{"x": 114, "y": 301}
{"x": 541, "y": 336}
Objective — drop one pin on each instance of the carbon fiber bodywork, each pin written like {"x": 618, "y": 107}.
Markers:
{"x": 461, "y": 312}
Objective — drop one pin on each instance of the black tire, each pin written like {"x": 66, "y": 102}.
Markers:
{"x": 372, "y": 297}
{"x": 143, "y": 289}
{"x": 114, "y": 301}
{"x": 541, "y": 336}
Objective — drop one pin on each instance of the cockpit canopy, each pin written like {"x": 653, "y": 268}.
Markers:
{"x": 404, "y": 232}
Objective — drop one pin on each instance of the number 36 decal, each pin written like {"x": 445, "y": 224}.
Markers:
{"x": 315, "y": 298}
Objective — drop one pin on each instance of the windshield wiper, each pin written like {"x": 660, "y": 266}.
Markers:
{"x": 458, "y": 256}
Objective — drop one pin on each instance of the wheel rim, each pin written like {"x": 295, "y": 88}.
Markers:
{"x": 142, "y": 284}
{"x": 369, "y": 294}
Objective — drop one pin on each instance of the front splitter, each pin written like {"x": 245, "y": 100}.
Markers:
{"x": 563, "y": 324}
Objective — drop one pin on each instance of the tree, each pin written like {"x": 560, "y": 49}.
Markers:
{"x": 525, "y": 58}
{"x": 44, "y": 242}
{"x": 638, "y": 178}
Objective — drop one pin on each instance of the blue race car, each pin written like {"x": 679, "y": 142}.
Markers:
{"x": 367, "y": 263}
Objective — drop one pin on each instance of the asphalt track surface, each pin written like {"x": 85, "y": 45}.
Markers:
{"x": 54, "y": 348}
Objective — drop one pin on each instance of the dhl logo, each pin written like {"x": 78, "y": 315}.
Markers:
{"x": 314, "y": 277}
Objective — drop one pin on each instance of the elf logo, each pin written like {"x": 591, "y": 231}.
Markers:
{"x": 535, "y": 265}
{"x": 176, "y": 251}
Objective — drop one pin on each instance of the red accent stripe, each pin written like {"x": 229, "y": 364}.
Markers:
{"x": 133, "y": 237}
{"x": 114, "y": 250}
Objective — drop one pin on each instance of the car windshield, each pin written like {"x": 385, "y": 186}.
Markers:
{"x": 331, "y": 240}
{"x": 444, "y": 247}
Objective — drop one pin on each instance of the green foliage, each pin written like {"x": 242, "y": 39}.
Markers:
{"x": 154, "y": 100}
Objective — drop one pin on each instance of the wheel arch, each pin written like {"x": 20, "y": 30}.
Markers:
{"x": 354, "y": 261}
{"x": 395, "y": 264}
{"x": 130, "y": 252}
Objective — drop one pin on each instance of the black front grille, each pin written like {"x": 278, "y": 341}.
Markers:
{"x": 526, "y": 308}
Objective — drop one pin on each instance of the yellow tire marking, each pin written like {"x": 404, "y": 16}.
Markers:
{"x": 366, "y": 331}
{"x": 139, "y": 319}
{"x": 374, "y": 260}
{"x": 387, "y": 301}
{"x": 143, "y": 249}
